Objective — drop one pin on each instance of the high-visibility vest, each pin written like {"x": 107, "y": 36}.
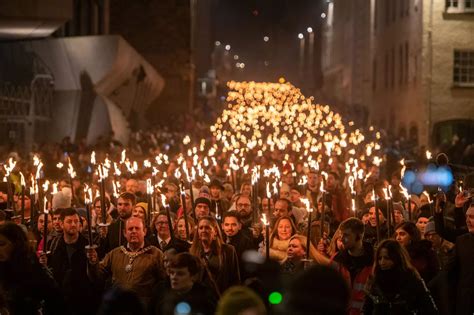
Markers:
{"x": 357, "y": 287}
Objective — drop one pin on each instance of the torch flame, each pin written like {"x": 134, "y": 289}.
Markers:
{"x": 22, "y": 180}
{"x": 264, "y": 219}
{"x": 307, "y": 206}
{"x": 93, "y": 160}
{"x": 149, "y": 187}
{"x": 163, "y": 201}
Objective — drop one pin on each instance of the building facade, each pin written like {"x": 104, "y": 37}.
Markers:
{"x": 408, "y": 63}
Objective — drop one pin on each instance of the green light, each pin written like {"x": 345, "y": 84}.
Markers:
{"x": 275, "y": 298}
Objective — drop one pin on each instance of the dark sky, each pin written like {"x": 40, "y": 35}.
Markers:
{"x": 244, "y": 23}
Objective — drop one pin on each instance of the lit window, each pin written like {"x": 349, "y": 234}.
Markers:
{"x": 463, "y": 70}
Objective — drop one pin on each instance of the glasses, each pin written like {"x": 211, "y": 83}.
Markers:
{"x": 243, "y": 205}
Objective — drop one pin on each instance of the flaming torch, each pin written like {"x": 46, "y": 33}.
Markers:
{"x": 72, "y": 175}
{"x": 267, "y": 235}
{"x": 102, "y": 176}
{"x": 23, "y": 187}
{"x": 168, "y": 214}
{"x": 88, "y": 201}
{"x": 8, "y": 170}
{"x": 308, "y": 207}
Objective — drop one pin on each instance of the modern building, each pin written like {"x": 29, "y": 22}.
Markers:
{"x": 407, "y": 66}
{"x": 63, "y": 75}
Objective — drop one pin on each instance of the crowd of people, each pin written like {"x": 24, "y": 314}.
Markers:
{"x": 221, "y": 243}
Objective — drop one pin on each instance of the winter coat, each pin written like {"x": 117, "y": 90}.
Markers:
{"x": 462, "y": 269}
{"x": 424, "y": 259}
{"x": 397, "y": 292}
{"x": 31, "y": 291}
{"x": 222, "y": 275}
{"x": 80, "y": 294}
{"x": 200, "y": 298}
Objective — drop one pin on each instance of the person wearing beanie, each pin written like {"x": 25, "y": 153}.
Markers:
{"x": 202, "y": 204}
{"x": 399, "y": 213}
{"x": 442, "y": 247}
{"x": 218, "y": 204}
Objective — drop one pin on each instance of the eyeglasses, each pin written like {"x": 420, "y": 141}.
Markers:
{"x": 243, "y": 205}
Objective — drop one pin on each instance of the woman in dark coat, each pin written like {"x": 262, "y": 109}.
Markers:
{"x": 422, "y": 255}
{"x": 396, "y": 287}
{"x": 221, "y": 265}
{"x": 25, "y": 286}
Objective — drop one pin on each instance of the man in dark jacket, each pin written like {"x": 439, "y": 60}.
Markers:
{"x": 233, "y": 235}
{"x": 186, "y": 289}
{"x": 68, "y": 263}
{"x": 462, "y": 267}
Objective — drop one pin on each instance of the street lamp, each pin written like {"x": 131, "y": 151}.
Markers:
{"x": 301, "y": 57}
{"x": 309, "y": 29}
{"x": 266, "y": 38}
{"x": 227, "y": 47}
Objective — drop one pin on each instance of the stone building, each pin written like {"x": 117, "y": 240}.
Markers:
{"x": 408, "y": 63}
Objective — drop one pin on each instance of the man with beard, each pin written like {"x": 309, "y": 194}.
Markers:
{"x": 115, "y": 238}
{"x": 232, "y": 228}
{"x": 133, "y": 266}
{"x": 68, "y": 263}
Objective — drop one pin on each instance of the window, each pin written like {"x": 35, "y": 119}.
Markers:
{"x": 463, "y": 70}
{"x": 452, "y": 3}
{"x": 459, "y": 6}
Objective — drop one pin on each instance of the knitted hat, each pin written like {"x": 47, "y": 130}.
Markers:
{"x": 144, "y": 205}
{"x": 430, "y": 228}
{"x": 398, "y": 206}
{"x": 203, "y": 197}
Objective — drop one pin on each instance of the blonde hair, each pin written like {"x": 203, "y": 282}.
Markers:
{"x": 319, "y": 258}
